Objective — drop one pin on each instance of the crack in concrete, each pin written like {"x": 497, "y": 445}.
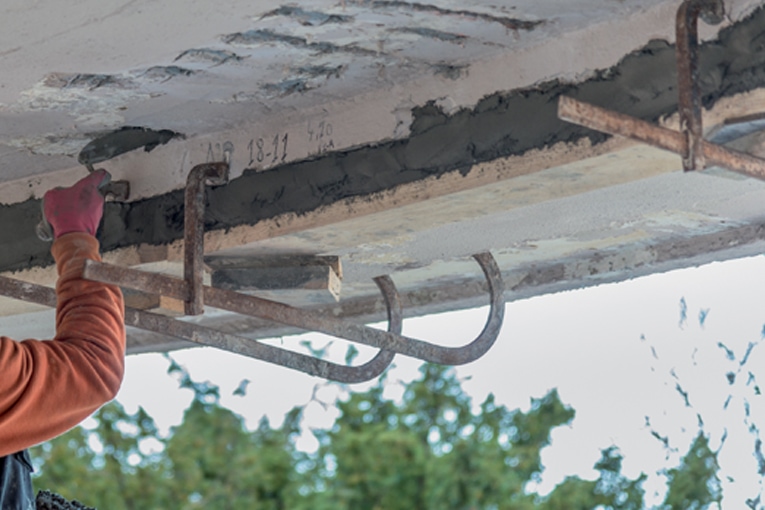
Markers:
{"x": 317, "y": 71}
{"x": 309, "y": 18}
{"x": 165, "y": 73}
{"x": 311, "y": 78}
{"x": 86, "y": 81}
{"x": 643, "y": 84}
{"x": 511, "y": 23}
{"x": 10, "y": 51}
{"x": 252, "y": 37}
{"x": 218, "y": 57}
{"x": 287, "y": 87}
{"x": 431, "y": 33}
{"x": 90, "y": 21}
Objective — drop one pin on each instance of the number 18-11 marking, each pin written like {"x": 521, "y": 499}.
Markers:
{"x": 271, "y": 152}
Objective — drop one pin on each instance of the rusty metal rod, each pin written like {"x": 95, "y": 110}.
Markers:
{"x": 311, "y": 321}
{"x": 689, "y": 91}
{"x": 614, "y": 123}
{"x": 688, "y": 101}
{"x": 254, "y": 349}
{"x": 46, "y": 296}
{"x": 194, "y": 230}
{"x": 29, "y": 292}
{"x": 688, "y": 94}
{"x": 393, "y": 307}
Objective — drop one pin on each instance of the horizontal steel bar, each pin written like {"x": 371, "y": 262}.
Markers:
{"x": 29, "y": 292}
{"x": 254, "y": 349}
{"x": 614, "y": 123}
{"x": 46, "y": 296}
{"x": 311, "y": 321}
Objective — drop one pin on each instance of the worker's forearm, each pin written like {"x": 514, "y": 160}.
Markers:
{"x": 48, "y": 387}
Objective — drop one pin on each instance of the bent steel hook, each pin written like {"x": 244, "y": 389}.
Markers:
{"x": 194, "y": 294}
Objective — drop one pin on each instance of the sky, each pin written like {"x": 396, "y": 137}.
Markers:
{"x": 622, "y": 355}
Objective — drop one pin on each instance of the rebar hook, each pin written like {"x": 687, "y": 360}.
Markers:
{"x": 252, "y": 348}
{"x": 46, "y": 296}
{"x": 194, "y": 294}
{"x": 311, "y": 321}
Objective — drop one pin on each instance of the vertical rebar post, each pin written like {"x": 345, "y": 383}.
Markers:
{"x": 194, "y": 230}
{"x": 689, "y": 90}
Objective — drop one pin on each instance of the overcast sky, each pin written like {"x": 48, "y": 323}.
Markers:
{"x": 616, "y": 353}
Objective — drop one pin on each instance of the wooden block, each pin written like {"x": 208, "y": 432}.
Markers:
{"x": 162, "y": 305}
{"x": 299, "y": 280}
{"x": 276, "y": 261}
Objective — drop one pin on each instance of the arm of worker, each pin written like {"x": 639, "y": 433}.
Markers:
{"x": 48, "y": 387}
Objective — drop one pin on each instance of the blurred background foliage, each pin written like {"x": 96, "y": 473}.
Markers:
{"x": 431, "y": 449}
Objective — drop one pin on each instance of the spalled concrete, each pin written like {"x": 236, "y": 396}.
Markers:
{"x": 500, "y": 125}
{"x": 399, "y": 136}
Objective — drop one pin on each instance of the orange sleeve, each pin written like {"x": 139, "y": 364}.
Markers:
{"x": 48, "y": 387}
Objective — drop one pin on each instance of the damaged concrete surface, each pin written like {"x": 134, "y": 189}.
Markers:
{"x": 399, "y": 136}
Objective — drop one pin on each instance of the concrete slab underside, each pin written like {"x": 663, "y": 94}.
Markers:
{"x": 402, "y": 157}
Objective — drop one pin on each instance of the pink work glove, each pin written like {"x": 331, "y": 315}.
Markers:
{"x": 78, "y": 208}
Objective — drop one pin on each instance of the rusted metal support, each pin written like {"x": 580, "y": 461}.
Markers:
{"x": 195, "y": 294}
{"x": 161, "y": 324}
{"x": 192, "y": 291}
{"x": 25, "y": 291}
{"x": 695, "y": 152}
{"x": 193, "y": 233}
{"x": 614, "y": 123}
{"x": 311, "y": 321}
{"x": 689, "y": 91}
{"x": 254, "y": 349}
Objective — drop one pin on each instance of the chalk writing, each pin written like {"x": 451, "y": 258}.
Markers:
{"x": 268, "y": 151}
{"x": 219, "y": 151}
{"x": 320, "y": 136}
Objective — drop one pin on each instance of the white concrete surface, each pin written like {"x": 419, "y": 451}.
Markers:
{"x": 326, "y": 76}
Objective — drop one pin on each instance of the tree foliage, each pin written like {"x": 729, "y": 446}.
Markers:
{"x": 433, "y": 449}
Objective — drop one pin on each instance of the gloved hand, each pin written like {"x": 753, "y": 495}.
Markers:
{"x": 78, "y": 208}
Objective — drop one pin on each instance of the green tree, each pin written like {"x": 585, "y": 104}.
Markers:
{"x": 115, "y": 472}
{"x": 216, "y": 463}
{"x": 432, "y": 449}
{"x": 694, "y": 484}
{"x": 611, "y": 490}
